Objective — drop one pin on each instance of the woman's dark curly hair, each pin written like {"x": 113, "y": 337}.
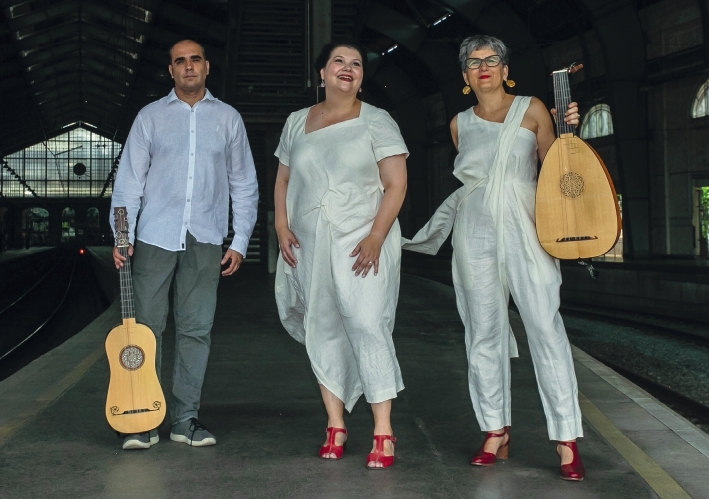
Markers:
{"x": 328, "y": 49}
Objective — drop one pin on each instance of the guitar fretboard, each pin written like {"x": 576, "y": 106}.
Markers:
{"x": 126, "y": 282}
{"x": 562, "y": 99}
{"x": 120, "y": 216}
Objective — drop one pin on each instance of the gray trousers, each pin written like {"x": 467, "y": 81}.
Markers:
{"x": 196, "y": 276}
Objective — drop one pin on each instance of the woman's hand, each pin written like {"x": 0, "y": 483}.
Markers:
{"x": 286, "y": 239}
{"x": 392, "y": 171}
{"x": 571, "y": 116}
{"x": 367, "y": 253}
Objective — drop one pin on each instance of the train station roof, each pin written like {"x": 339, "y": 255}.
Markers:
{"x": 100, "y": 61}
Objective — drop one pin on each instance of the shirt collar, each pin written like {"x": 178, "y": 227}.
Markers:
{"x": 172, "y": 96}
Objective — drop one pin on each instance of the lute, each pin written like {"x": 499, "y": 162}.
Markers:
{"x": 577, "y": 214}
{"x": 135, "y": 402}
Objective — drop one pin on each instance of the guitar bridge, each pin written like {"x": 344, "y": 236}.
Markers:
{"x": 115, "y": 411}
{"x": 576, "y": 238}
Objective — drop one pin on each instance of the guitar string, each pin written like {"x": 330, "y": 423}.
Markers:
{"x": 130, "y": 309}
{"x": 126, "y": 299}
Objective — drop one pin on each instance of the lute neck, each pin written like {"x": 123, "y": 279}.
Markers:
{"x": 562, "y": 99}
{"x": 126, "y": 281}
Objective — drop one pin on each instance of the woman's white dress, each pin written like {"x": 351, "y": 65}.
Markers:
{"x": 334, "y": 193}
{"x": 496, "y": 252}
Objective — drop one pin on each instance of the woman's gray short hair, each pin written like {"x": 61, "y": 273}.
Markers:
{"x": 478, "y": 42}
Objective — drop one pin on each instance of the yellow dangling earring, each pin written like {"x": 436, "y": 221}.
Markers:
{"x": 467, "y": 89}
{"x": 510, "y": 83}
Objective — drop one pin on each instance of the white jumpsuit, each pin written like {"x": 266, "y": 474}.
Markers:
{"x": 334, "y": 193}
{"x": 496, "y": 252}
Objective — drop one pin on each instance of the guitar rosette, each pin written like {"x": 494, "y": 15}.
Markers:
{"x": 132, "y": 357}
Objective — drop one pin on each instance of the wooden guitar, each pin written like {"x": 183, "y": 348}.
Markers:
{"x": 577, "y": 213}
{"x": 135, "y": 402}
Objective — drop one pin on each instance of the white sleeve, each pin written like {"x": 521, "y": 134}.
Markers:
{"x": 132, "y": 173}
{"x": 283, "y": 149}
{"x": 243, "y": 189}
{"x": 386, "y": 137}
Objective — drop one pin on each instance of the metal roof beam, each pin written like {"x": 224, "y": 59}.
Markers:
{"x": 47, "y": 14}
{"x": 192, "y": 20}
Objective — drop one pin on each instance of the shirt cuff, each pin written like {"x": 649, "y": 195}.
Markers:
{"x": 240, "y": 245}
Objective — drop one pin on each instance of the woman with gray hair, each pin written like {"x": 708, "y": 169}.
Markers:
{"x": 496, "y": 253}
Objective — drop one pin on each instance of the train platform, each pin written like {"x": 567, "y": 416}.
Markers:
{"x": 14, "y": 254}
{"x": 262, "y": 403}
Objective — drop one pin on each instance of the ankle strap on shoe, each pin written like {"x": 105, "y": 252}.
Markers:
{"x": 380, "y": 439}
{"x": 491, "y": 434}
{"x": 570, "y": 445}
{"x": 332, "y": 433}
{"x": 335, "y": 431}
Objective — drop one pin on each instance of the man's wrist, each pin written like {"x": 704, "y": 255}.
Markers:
{"x": 241, "y": 250}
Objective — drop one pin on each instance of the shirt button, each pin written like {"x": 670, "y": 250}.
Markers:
{"x": 192, "y": 154}
{"x": 190, "y": 178}
{"x": 188, "y": 200}
{"x": 192, "y": 131}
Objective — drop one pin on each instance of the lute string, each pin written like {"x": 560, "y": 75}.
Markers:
{"x": 573, "y": 150}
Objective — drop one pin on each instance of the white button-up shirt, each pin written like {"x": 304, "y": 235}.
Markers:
{"x": 179, "y": 166}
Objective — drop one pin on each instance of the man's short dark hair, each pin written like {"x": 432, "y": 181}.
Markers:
{"x": 169, "y": 51}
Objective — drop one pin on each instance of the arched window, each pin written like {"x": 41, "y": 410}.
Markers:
{"x": 92, "y": 234}
{"x": 68, "y": 224}
{"x": 37, "y": 227}
{"x": 74, "y": 164}
{"x": 701, "y": 102}
{"x": 92, "y": 218}
{"x": 597, "y": 123}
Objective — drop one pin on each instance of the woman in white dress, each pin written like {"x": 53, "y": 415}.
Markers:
{"x": 496, "y": 252}
{"x": 341, "y": 182}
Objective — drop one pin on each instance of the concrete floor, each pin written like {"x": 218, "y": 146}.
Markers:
{"x": 262, "y": 403}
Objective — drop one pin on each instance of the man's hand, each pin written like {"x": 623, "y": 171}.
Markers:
{"x": 236, "y": 259}
{"x": 119, "y": 259}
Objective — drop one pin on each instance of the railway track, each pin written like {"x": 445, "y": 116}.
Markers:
{"x": 668, "y": 358}
{"x": 45, "y": 301}
{"x": 30, "y": 312}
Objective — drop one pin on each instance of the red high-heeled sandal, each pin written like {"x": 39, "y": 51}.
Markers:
{"x": 482, "y": 458}
{"x": 330, "y": 447}
{"x": 574, "y": 471}
{"x": 378, "y": 455}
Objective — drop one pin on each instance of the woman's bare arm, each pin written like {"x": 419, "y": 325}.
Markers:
{"x": 454, "y": 131}
{"x": 286, "y": 239}
{"x": 392, "y": 171}
{"x": 545, "y": 130}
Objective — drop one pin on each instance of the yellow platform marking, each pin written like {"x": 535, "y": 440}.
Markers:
{"x": 48, "y": 397}
{"x": 662, "y": 483}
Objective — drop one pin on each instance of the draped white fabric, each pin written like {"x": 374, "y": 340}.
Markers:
{"x": 495, "y": 253}
{"x": 334, "y": 193}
